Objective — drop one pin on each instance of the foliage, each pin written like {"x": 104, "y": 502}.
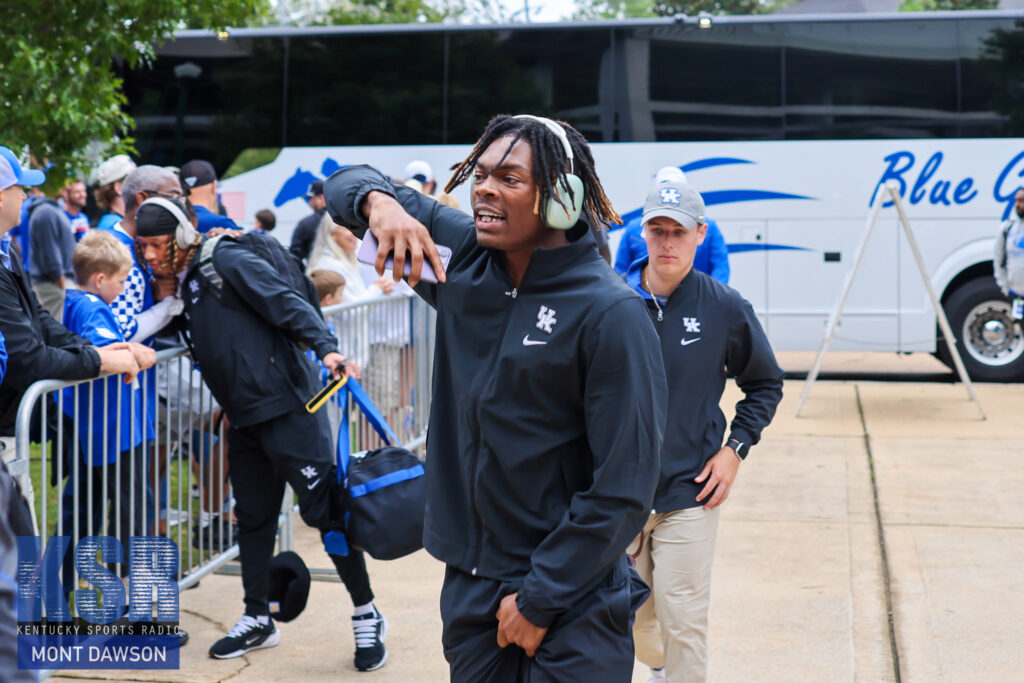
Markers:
{"x": 393, "y": 11}
{"x": 59, "y": 92}
{"x": 613, "y": 9}
{"x": 694, "y": 7}
{"x": 936, "y": 5}
{"x": 628, "y": 9}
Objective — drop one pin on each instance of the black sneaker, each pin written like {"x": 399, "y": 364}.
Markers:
{"x": 371, "y": 630}
{"x": 248, "y": 634}
{"x": 210, "y": 536}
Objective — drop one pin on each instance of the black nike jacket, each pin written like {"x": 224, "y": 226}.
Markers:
{"x": 247, "y": 344}
{"x": 708, "y": 332}
{"x": 548, "y": 408}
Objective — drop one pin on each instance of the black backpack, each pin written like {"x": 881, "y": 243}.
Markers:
{"x": 268, "y": 249}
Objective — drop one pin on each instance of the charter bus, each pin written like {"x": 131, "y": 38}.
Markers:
{"x": 788, "y": 124}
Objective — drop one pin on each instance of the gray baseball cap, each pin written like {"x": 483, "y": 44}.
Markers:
{"x": 675, "y": 200}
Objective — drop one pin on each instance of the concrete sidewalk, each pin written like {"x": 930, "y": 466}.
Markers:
{"x": 801, "y": 591}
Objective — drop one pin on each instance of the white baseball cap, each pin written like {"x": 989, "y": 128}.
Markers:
{"x": 113, "y": 169}
{"x": 670, "y": 174}
{"x": 419, "y": 170}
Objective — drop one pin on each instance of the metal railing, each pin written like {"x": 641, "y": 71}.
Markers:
{"x": 152, "y": 458}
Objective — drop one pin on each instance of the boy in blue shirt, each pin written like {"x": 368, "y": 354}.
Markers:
{"x": 112, "y": 410}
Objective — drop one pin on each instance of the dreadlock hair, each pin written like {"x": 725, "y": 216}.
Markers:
{"x": 172, "y": 249}
{"x": 549, "y": 162}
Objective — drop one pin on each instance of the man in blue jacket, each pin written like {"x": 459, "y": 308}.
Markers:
{"x": 548, "y": 404}
{"x": 708, "y": 332}
{"x": 712, "y": 255}
{"x": 200, "y": 183}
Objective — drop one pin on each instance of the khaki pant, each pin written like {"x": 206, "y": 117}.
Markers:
{"x": 51, "y": 297}
{"x": 676, "y": 552}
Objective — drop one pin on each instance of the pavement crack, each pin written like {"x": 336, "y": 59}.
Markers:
{"x": 881, "y": 539}
{"x": 221, "y": 626}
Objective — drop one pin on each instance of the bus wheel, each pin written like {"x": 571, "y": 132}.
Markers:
{"x": 991, "y": 343}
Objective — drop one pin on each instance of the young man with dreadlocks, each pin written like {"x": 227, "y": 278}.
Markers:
{"x": 262, "y": 379}
{"x": 548, "y": 404}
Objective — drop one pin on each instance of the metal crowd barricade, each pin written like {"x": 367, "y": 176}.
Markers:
{"x": 392, "y": 339}
{"x": 161, "y": 466}
{"x": 174, "y": 481}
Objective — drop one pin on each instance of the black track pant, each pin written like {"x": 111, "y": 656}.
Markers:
{"x": 293, "y": 448}
{"x": 592, "y": 642}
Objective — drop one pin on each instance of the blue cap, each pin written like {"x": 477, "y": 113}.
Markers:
{"x": 11, "y": 172}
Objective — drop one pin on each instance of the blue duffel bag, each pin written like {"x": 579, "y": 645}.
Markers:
{"x": 386, "y": 494}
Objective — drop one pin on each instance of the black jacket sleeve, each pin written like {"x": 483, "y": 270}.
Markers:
{"x": 58, "y": 355}
{"x": 751, "y": 360}
{"x": 625, "y": 403}
{"x": 262, "y": 288}
{"x": 348, "y": 187}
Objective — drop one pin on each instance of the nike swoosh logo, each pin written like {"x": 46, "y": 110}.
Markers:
{"x": 313, "y": 485}
{"x": 687, "y": 342}
{"x": 530, "y": 342}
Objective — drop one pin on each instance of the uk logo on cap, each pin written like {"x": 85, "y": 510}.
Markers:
{"x": 670, "y": 195}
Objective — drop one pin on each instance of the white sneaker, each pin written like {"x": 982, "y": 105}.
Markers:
{"x": 657, "y": 676}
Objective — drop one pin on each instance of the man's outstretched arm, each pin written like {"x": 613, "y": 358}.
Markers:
{"x": 403, "y": 220}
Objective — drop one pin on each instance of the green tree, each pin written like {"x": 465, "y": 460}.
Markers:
{"x": 936, "y": 5}
{"x": 613, "y": 9}
{"x": 623, "y": 9}
{"x": 58, "y": 91}
{"x": 393, "y": 11}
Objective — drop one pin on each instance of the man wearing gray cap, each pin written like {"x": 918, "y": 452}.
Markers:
{"x": 712, "y": 255}
{"x": 708, "y": 332}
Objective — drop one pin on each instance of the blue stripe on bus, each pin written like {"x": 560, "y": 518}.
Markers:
{"x": 716, "y": 197}
{"x": 711, "y": 162}
{"x": 741, "y": 247}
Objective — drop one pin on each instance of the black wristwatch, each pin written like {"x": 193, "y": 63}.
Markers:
{"x": 741, "y": 448}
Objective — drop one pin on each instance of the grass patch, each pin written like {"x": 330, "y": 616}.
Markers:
{"x": 180, "y": 481}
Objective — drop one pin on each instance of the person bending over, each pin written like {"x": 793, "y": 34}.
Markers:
{"x": 262, "y": 380}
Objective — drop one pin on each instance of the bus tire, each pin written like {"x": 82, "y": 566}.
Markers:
{"x": 990, "y": 342}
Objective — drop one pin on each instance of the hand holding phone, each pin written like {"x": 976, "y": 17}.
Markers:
{"x": 402, "y": 233}
{"x": 368, "y": 254}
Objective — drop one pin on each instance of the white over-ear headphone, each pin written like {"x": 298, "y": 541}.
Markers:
{"x": 561, "y": 211}
{"x": 185, "y": 233}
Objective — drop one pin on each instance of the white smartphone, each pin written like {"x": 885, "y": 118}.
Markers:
{"x": 368, "y": 254}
